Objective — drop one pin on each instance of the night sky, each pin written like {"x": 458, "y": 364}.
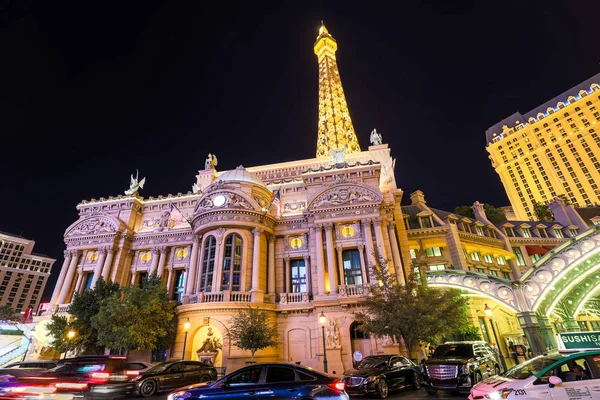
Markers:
{"x": 90, "y": 91}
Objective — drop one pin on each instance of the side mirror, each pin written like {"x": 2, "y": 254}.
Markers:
{"x": 554, "y": 380}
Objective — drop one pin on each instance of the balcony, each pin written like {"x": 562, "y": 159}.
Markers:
{"x": 221, "y": 297}
{"x": 294, "y": 298}
{"x": 361, "y": 290}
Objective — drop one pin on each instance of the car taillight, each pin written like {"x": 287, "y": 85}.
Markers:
{"x": 337, "y": 386}
{"x": 100, "y": 376}
{"x": 132, "y": 373}
{"x": 71, "y": 385}
{"x": 33, "y": 389}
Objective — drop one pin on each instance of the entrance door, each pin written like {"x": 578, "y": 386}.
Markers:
{"x": 360, "y": 341}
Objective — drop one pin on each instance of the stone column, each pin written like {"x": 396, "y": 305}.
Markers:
{"x": 133, "y": 275}
{"x": 161, "y": 261}
{"x": 395, "y": 252}
{"x": 154, "y": 265}
{"x": 79, "y": 279}
{"x": 308, "y": 274}
{"x": 331, "y": 267}
{"x": 341, "y": 265}
{"x": 64, "y": 292}
{"x": 170, "y": 281}
{"x": 546, "y": 332}
{"x": 126, "y": 267}
{"x": 366, "y": 224}
{"x": 61, "y": 278}
{"x": 320, "y": 260}
{"x": 99, "y": 265}
{"x": 110, "y": 252}
{"x": 271, "y": 266}
{"x": 190, "y": 287}
{"x": 531, "y": 328}
{"x": 287, "y": 274}
{"x": 379, "y": 239}
{"x": 363, "y": 266}
{"x": 256, "y": 260}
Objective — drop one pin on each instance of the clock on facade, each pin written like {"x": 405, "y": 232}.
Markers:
{"x": 219, "y": 200}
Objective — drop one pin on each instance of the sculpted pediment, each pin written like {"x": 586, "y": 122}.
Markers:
{"x": 345, "y": 195}
{"x": 224, "y": 200}
{"x": 95, "y": 225}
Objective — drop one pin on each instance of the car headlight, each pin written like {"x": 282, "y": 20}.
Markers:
{"x": 179, "y": 395}
{"x": 500, "y": 394}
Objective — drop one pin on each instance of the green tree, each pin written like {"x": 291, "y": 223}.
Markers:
{"x": 83, "y": 308}
{"x": 251, "y": 330}
{"x": 542, "y": 212}
{"x": 416, "y": 313}
{"x": 58, "y": 327}
{"x": 138, "y": 317}
{"x": 8, "y": 314}
{"x": 495, "y": 215}
{"x": 468, "y": 332}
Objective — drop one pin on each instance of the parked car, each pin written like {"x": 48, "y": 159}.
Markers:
{"x": 87, "y": 377}
{"x": 557, "y": 376}
{"x": 173, "y": 374}
{"x": 378, "y": 375}
{"x": 458, "y": 366}
{"x": 268, "y": 380}
{"x": 27, "y": 367}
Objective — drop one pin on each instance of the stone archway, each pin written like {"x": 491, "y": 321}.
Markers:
{"x": 561, "y": 282}
{"x": 360, "y": 341}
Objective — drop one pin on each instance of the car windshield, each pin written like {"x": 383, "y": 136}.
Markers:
{"x": 454, "y": 350}
{"x": 369, "y": 363}
{"x": 530, "y": 367}
{"x": 158, "y": 368}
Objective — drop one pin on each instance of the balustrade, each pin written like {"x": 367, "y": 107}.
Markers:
{"x": 293, "y": 298}
{"x": 354, "y": 290}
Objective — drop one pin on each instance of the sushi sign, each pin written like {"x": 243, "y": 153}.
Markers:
{"x": 578, "y": 340}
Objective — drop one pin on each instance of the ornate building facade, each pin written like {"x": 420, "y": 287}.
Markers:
{"x": 550, "y": 151}
{"x": 295, "y": 239}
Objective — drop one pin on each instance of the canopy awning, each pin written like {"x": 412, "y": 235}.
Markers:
{"x": 541, "y": 250}
{"x": 485, "y": 250}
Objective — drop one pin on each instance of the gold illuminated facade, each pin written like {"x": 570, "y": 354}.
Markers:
{"x": 335, "y": 126}
{"x": 552, "y": 151}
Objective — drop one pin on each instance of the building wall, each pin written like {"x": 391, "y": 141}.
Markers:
{"x": 549, "y": 152}
{"x": 23, "y": 274}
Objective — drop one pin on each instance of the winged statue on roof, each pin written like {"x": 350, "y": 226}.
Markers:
{"x": 211, "y": 161}
{"x": 135, "y": 184}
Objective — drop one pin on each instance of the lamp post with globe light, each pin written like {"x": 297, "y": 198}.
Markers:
{"x": 488, "y": 313}
{"x": 322, "y": 321}
{"x": 70, "y": 336}
{"x": 186, "y": 328}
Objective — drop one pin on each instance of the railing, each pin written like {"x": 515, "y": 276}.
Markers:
{"x": 14, "y": 352}
{"x": 354, "y": 290}
{"x": 293, "y": 298}
{"x": 221, "y": 297}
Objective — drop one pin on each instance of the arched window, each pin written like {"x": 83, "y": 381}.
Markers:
{"x": 356, "y": 333}
{"x": 232, "y": 263}
{"x": 208, "y": 264}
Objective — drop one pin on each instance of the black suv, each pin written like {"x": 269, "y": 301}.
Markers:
{"x": 458, "y": 366}
{"x": 87, "y": 377}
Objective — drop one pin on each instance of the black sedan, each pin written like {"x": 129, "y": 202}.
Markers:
{"x": 268, "y": 381}
{"x": 380, "y": 374}
{"x": 173, "y": 374}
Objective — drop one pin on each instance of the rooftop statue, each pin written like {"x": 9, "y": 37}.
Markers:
{"x": 135, "y": 185}
{"x": 375, "y": 138}
{"x": 211, "y": 162}
{"x": 339, "y": 156}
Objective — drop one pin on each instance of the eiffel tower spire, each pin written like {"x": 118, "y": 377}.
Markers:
{"x": 335, "y": 126}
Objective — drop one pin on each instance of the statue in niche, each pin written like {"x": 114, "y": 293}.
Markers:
{"x": 333, "y": 334}
{"x": 211, "y": 161}
{"x": 376, "y": 139}
{"x": 164, "y": 219}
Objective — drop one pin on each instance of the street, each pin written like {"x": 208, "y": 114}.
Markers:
{"x": 401, "y": 394}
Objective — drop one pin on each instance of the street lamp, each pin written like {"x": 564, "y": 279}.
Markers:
{"x": 322, "y": 321}
{"x": 488, "y": 313}
{"x": 186, "y": 327}
{"x": 70, "y": 336}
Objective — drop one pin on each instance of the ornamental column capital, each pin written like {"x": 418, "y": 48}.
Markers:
{"x": 67, "y": 253}
{"x": 80, "y": 270}
{"x": 377, "y": 221}
{"x": 306, "y": 257}
{"x": 366, "y": 221}
{"x": 272, "y": 239}
{"x": 328, "y": 225}
{"x": 75, "y": 252}
{"x": 257, "y": 231}
{"x": 197, "y": 237}
{"x": 163, "y": 249}
{"x": 319, "y": 225}
{"x": 361, "y": 247}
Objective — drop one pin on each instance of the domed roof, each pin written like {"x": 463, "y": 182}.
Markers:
{"x": 240, "y": 174}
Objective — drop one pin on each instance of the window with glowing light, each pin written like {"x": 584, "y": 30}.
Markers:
{"x": 232, "y": 263}
{"x": 208, "y": 264}
{"x": 298, "y": 276}
{"x": 352, "y": 267}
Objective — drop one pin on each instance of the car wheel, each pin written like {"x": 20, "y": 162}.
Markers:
{"x": 205, "y": 378}
{"x": 416, "y": 381}
{"x": 148, "y": 388}
{"x": 382, "y": 389}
